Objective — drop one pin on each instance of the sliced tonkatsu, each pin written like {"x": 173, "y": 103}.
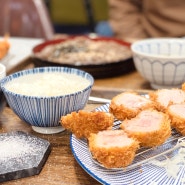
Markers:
{"x": 113, "y": 148}
{"x": 150, "y": 127}
{"x": 176, "y": 113}
{"x": 83, "y": 123}
{"x": 165, "y": 97}
{"x": 128, "y": 105}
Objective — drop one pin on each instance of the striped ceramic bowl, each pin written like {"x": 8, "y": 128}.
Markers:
{"x": 161, "y": 61}
{"x": 43, "y": 113}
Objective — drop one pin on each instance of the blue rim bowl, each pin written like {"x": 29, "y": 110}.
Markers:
{"x": 46, "y": 111}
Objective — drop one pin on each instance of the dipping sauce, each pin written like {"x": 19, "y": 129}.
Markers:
{"x": 48, "y": 84}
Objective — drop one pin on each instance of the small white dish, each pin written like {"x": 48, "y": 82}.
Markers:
{"x": 2, "y": 71}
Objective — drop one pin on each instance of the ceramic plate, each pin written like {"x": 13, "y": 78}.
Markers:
{"x": 20, "y": 50}
{"x": 103, "y": 70}
{"x": 143, "y": 170}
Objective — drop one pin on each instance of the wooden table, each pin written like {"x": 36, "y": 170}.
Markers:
{"x": 61, "y": 167}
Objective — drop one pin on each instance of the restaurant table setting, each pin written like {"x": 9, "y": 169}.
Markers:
{"x": 36, "y": 156}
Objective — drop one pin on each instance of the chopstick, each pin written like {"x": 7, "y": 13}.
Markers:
{"x": 93, "y": 99}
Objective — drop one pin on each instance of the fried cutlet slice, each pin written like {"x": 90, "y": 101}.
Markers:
{"x": 4, "y": 46}
{"x": 176, "y": 113}
{"x": 128, "y": 105}
{"x": 183, "y": 86}
{"x": 113, "y": 148}
{"x": 150, "y": 127}
{"x": 165, "y": 97}
{"x": 83, "y": 123}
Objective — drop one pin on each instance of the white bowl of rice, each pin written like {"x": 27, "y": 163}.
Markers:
{"x": 40, "y": 96}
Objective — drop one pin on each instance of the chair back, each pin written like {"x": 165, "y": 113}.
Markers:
{"x": 25, "y": 18}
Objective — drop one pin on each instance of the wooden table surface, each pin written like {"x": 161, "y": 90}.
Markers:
{"x": 61, "y": 167}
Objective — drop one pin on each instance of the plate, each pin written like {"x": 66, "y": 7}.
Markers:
{"x": 102, "y": 70}
{"x": 20, "y": 50}
{"x": 143, "y": 169}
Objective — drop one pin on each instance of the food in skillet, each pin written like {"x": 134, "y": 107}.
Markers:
{"x": 4, "y": 47}
{"x": 85, "y": 51}
{"x": 128, "y": 105}
{"x": 150, "y": 127}
{"x": 176, "y": 113}
{"x": 165, "y": 97}
{"x": 113, "y": 148}
{"x": 83, "y": 123}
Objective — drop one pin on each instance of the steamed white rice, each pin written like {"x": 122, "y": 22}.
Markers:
{"x": 48, "y": 84}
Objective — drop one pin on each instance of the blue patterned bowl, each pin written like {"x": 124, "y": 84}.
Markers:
{"x": 43, "y": 113}
{"x": 161, "y": 61}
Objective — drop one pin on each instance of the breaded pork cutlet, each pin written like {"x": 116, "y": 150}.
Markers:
{"x": 128, "y": 105}
{"x": 113, "y": 148}
{"x": 150, "y": 127}
{"x": 165, "y": 97}
{"x": 83, "y": 123}
{"x": 176, "y": 113}
{"x": 183, "y": 86}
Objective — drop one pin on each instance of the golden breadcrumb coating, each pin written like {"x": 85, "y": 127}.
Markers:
{"x": 149, "y": 133}
{"x": 83, "y": 123}
{"x": 113, "y": 154}
{"x": 128, "y": 105}
{"x": 177, "y": 115}
{"x": 183, "y": 86}
{"x": 162, "y": 98}
{"x": 4, "y": 46}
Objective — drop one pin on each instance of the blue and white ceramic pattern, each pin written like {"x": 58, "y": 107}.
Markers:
{"x": 161, "y": 61}
{"x": 141, "y": 172}
{"x": 45, "y": 112}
